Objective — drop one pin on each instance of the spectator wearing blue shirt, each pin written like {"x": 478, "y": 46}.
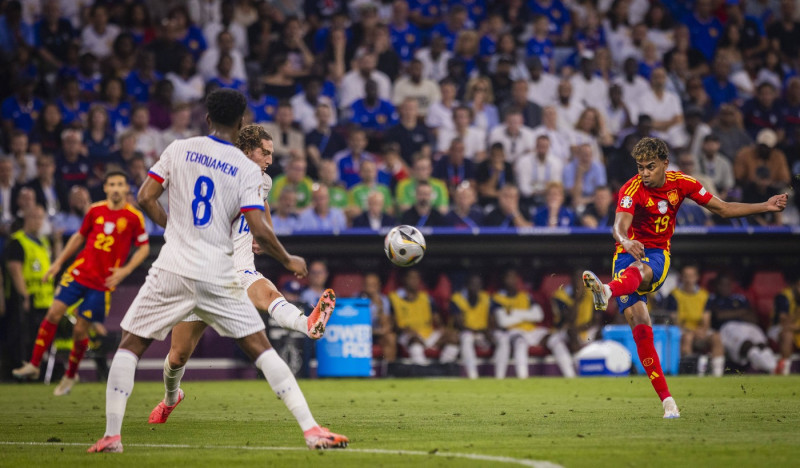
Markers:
{"x": 790, "y": 113}
{"x": 488, "y": 42}
{"x": 465, "y": 214}
{"x": 555, "y": 11}
{"x": 704, "y": 28}
{"x": 348, "y": 161}
{"x": 72, "y": 165}
{"x": 98, "y": 139}
{"x": 89, "y": 79}
{"x": 261, "y": 105}
{"x": 583, "y": 175}
{"x": 718, "y": 86}
{"x": 72, "y": 108}
{"x": 14, "y": 33}
{"x": 453, "y": 168}
{"x": 762, "y": 111}
{"x": 284, "y": 212}
{"x": 753, "y": 35}
{"x": 412, "y": 135}
{"x": 372, "y": 113}
{"x": 186, "y": 33}
{"x": 405, "y": 36}
{"x": 539, "y": 44}
{"x": 553, "y": 213}
{"x": 225, "y": 78}
{"x": 476, "y": 11}
{"x": 425, "y": 13}
{"x": 21, "y": 109}
{"x": 455, "y": 22}
{"x": 141, "y": 81}
{"x": 114, "y": 100}
{"x": 53, "y": 35}
{"x": 320, "y": 216}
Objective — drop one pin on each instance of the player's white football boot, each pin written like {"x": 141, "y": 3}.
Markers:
{"x": 108, "y": 444}
{"x": 321, "y": 438}
{"x": 601, "y": 293}
{"x": 670, "y": 408}
{"x": 65, "y": 386}
{"x": 27, "y": 371}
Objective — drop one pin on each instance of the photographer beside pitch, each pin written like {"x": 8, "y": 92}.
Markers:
{"x": 643, "y": 228}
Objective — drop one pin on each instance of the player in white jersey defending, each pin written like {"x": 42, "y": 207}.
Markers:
{"x": 211, "y": 182}
{"x": 256, "y": 143}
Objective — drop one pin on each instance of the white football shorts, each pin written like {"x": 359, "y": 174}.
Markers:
{"x": 246, "y": 279}
{"x": 168, "y": 298}
{"x": 735, "y": 334}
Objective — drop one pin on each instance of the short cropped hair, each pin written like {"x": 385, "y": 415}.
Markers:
{"x": 115, "y": 173}
{"x": 225, "y": 106}
{"x": 648, "y": 149}
{"x": 250, "y": 137}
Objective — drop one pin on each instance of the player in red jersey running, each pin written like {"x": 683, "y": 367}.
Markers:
{"x": 109, "y": 230}
{"x": 643, "y": 228}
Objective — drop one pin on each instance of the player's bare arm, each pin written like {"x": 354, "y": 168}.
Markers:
{"x": 775, "y": 204}
{"x": 148, "y": 199}
{"x": 120, "y": 273}
{"x": 265, "y": 236}
{"x": 256, "y": 248}
{"x": 622, "y": 223}
{"x": 75, "y": 242}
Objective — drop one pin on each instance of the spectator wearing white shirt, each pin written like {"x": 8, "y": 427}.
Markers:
{"x": 559, "y": 141}
{"x": 207, "y": 65}
{"x": 665, "y": 109}
{"x": 288, "y": 142}
{"x": 715, "y": 166}
{"x": 226, "y": 23}
{"x": 534, "y": 171}
{"x": 568, "y": 108}
{"x": 148, "y": 139}
{"x": 205, "y": 11}
{"x": 434, "y": 59}
{"x": 188, "y": 85}
{"x": 632, "y": 84}
{"x": 440, "y": 113}
{"x": 304, "y": 105}
{"x": 474, "y": 138}
{"x": 517, "y": 139}
{"x": 352, "y": 86}
{"x": 543, "y": 86}
{"x": 321, "y": 216}
{"x": 97, "y": 38}
{"x": 413, "y": 85}
{"x": 181, "y": 126}
{"x": 590, "y": 130}
{"x": 617, "y": 115}
{"x": 587, "y": 88}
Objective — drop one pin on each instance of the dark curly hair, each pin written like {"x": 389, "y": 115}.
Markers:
{"x": 250, "y": 137}
{"x": 225, "y": 106}
{"x": 649, "y": 148}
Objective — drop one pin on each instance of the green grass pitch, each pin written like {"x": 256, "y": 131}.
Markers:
{"x": 735, "y": 421}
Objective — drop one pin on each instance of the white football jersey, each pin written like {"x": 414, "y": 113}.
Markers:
{"x": 210, "y": 183}
{"x": 243, "y": 258}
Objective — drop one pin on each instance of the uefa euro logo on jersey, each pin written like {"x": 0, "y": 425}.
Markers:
{"x": 626, "y": 202}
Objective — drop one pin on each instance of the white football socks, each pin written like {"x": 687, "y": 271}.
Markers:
{"x": 288, "y": 316}
{"x": 468, "y": 354}
{"x": 501, "y": 354}
{"x": 717, "y": 366}
{"x": 118, "y": 389}
{"x": 172, "y": 382}
{"x": 283, "y": 383}
{"x": 416, "y": 352}
{"x": 521, "y": 358}
{"x": 449, "y": 354}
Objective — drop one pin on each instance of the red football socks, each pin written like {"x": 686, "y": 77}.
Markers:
{"x": 47, "y": 331}
{"x": 643, "y": 335}
{"x": 75, "y": 356}
{"x": 627, "y": 282}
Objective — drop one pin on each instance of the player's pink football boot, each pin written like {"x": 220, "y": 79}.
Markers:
{"x": 320, "y": 315}
{"x": 321, "y": 438}
{"x": 162, "y": 411}
{"x": 108, "y": 444}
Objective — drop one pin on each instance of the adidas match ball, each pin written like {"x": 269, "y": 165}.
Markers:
{"x": 404, "y": 245}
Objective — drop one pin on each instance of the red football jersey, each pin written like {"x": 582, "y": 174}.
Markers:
{"x": 654, "y": 209}
{"x": 109, "y": 236}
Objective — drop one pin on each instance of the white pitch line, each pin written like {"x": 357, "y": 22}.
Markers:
{"x": 469, "y": 456}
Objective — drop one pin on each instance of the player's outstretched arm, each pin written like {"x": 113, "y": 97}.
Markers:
{"x": 119, "y": 274}
{"x": 73, "y": 245}
{"x": 725, "y": 209}
{"x": 268, "y": 241}
{"x": 148, "y": 199}
{"x": 622, "y": 222}
{"x": 256, "y": 248}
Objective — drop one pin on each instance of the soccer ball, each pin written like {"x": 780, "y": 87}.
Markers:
{"x": 404, "y": 245}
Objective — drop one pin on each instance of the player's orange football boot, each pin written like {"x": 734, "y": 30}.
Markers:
{"x": 162, "y": 411}
{"x": 321, "y": 438}
{"x": 108, "y": 444}
{"x": 321, "y": 314}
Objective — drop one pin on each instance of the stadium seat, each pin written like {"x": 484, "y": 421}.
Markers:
{"x": 347, "y": 284}
{"x": 551, "y": 283}
{"x": 767, "y": 283}
{"x": 441, "y": 294}
{"x": 707, "y": 278}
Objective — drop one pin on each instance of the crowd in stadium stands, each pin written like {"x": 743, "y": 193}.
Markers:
{"x": 470, "y": 318}
{"x": 460, "y": 113}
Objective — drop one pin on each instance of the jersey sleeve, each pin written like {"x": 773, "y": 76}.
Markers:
{"x": 695, "y": 191}
{"x": 160, "y": 172}
{"x": 251, "y": 195}
{"x": 627, "y": 196}
{"x": 139, "y": 230}
{"x": 88, "y": 221}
